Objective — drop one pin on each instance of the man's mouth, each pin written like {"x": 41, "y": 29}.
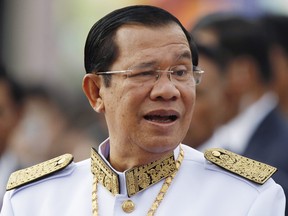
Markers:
{"x": 161, "y": 118}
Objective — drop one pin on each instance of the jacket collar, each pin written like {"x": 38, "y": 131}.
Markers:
{"x": 137, "y": 178}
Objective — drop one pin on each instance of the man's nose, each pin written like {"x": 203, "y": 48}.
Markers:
{"x": 164, "y": 88}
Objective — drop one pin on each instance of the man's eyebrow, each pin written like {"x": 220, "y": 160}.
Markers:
{"x": 146, "y": 64}
{"x": 184, "y": 55}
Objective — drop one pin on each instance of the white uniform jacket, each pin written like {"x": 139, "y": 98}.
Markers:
{"x": 200, "y": 188}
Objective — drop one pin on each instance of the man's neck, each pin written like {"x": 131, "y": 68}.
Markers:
{"x": 127, "y": 161}
{"x": 122, "y": 159}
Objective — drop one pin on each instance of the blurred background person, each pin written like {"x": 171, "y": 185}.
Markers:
{"x": 209, "y": 109}
{"x": 11, "y": 108}
{"x": 276, "y": 26}
{"x": 257, "y": 130}
{"x": 206, "y": 32}
{"x": 50, "y": 127}
{"x": 206, "y": 29}
{"x": 41, "y": 124}
{"x": 37, "y": 126}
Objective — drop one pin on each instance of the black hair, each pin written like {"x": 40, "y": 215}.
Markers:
{"x": 213, "y": 21}
{"x": 246, "y": 37}
{"x": 239, "y": 35}
{"x": 100, "y": 48}
{"x": 276, "y": 26}
{"x": 214, "y": 53}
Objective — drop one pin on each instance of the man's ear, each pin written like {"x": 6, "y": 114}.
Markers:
{"x": 91, "y": 85}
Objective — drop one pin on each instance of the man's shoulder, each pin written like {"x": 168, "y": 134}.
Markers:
{"x": 252, "y": 170}
{"x": 39, "y": 171}
{"x": 58, "y": 167}
{"x": 233, "y": 166}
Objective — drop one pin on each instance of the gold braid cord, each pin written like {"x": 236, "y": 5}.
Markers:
{"x": 159, "y": 197}
{"x": 166, "y": 185}
{"x": 94, "y": 197}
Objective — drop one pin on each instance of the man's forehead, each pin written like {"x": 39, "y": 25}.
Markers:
{"x": 138, "y": 41}
{"x": 168, "y": 32}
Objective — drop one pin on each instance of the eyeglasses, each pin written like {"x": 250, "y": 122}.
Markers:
{"x": 181, "y": 74}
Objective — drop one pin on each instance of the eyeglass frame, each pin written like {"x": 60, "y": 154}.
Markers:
{"x": 195, "y": 69}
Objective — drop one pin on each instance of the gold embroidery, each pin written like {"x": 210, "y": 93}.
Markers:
{"x": 104, "y": 174}
{"x": 253, "y": 170}
{"x": 137, "y": 179}
{"x": 162, "y": 191}
{"x": 33, "y": 173}
{"x": 142, "y": 177}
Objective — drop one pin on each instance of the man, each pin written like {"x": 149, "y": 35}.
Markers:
{"x": 11, "y": 108}
{"x": 276, "y": 26}
{"x": 140, "y": 75}
{"x": 209, "y": 109}
{"x": 206, "y": 32}
{"x": 257, "y": 129}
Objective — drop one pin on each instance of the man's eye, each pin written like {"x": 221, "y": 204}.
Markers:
{"x": 180, "y": 73}
{"x": 143, "y": 73}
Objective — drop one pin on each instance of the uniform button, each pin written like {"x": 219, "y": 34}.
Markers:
{"x": 62, "y": 160}
{"x": 216, "y": 153}
{"x": 128, "y": 206}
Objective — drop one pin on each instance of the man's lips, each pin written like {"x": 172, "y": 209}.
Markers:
{"x": 162, "y": 116}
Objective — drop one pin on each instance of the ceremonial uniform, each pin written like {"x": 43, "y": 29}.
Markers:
{"x": 198, "y": 187}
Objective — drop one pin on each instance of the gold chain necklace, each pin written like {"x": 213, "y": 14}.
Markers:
{"x": 159, "y": 197}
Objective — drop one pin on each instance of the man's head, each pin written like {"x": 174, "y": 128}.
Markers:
{"x": 276, "y": 27}
{"x": 147, "y": 107}
{"x": 207, "y": 29}
{"x": 101, "y": 49}
{"x": 238, "y": 35}
{"x": 248, "y": 70}
{"x": 247, "y": 39}
{"x": 209, "y": 109}
{"x": 244, "y": 44}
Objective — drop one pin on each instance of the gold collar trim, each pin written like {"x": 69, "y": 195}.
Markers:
{"x": 137, "y": 179}
{"x": 105, "y": 175}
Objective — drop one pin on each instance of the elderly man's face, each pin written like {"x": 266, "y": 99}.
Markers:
{"x": 148, "y": 118}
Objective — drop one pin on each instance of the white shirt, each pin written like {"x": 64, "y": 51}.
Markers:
{"x": 8, "y": 164}
{"x": 199, "y": 188}
{"x": 236, "y": 134}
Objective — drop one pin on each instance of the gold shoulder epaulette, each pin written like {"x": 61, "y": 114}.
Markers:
{"x": 250, "y": 169}
{"x": 39, "y": 171}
